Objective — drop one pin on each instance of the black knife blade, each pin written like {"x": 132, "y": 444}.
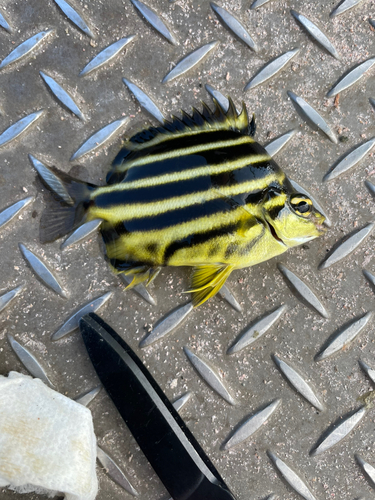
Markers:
{"x": 172, "y": 450}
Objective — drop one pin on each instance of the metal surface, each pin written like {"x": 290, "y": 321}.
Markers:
{"x": 300, "y": 334}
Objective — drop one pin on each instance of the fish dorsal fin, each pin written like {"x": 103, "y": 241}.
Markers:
{"x": 207, "y": 120}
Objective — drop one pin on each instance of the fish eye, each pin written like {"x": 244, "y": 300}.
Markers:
{"x": 301, "y": 205}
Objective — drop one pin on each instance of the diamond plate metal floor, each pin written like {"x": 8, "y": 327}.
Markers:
{"x": 252, "y": 376}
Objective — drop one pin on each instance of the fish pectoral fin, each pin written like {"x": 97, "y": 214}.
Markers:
{"x": 207, "y": 280}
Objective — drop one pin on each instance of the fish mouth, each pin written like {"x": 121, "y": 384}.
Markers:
{"x": 321, "y": 228}
{"x": 274, "y": 234}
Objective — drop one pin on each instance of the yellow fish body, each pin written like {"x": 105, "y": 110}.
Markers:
{"x": 198, "y": 191}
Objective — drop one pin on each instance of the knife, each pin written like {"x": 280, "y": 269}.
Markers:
{"x": 172, "y": 450}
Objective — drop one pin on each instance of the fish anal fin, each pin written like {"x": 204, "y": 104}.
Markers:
{"x": 138, "y": 278}
{"x": 146, "y": 276}
{"x": 137, "y": 272}
{"x": 207, "y": 280}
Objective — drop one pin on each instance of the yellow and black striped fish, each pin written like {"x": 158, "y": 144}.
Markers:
{"x": 197, "y": 191}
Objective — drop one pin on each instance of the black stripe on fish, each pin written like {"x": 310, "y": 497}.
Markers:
{"x": 201, "y": 141}
{"x": 197, "y": 239}
{"x": 250, "y": 172}
{"x": 151, "y": 194}
{"x": 198, "y": 140}
{"x": 274, "y": 211}
{"x": 174, "y": 217}
{"x": 200, "y": 158}
{"x": 176, "y": 188}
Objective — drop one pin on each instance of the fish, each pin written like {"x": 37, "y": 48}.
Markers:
{"x": 197, "y": 191}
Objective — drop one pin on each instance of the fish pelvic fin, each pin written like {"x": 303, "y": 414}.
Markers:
{"x": 65, "y": 212}
{"x": 207, "y": 280}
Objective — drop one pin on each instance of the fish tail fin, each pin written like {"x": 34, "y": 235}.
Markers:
{"x": 71, "y": 199}
{"x": 207, "y": 281}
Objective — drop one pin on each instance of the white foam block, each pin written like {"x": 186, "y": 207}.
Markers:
{"x": 47, "y": 441}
